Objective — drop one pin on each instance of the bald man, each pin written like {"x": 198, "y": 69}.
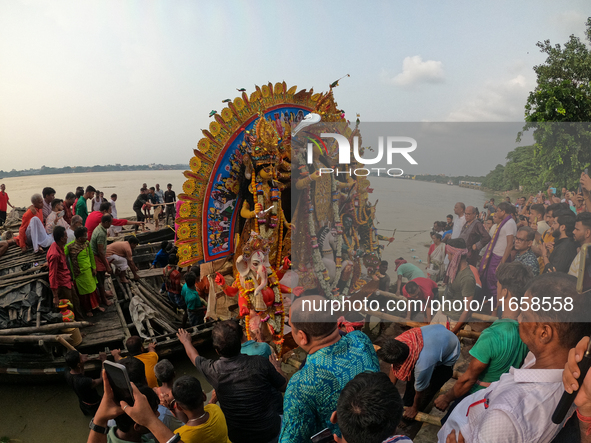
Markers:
{"x": 313, "y": 391}
{"x": 474, "y": 234}
{"x": 32, "y": 232}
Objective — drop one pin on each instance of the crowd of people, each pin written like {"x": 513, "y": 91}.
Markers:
{"x": 519, "y": 366}
{"x": 78, "y": 256}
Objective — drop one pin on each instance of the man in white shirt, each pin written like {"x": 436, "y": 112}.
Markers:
{"x": 518, "y": 408}
{"x": 460, "y": 221}
{"x": 499, "y": 248}
{"x": 114, "y": 230}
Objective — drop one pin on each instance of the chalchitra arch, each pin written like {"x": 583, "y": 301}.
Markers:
{"x": 207, "y": 224}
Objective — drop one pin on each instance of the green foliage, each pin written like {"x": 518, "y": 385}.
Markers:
{"x": 495, "y": 179}
{"x": 562, "y": 96}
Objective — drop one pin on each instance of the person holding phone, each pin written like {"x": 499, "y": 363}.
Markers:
{"x": 142, "y": 412}
{"x": 56, "y": 218}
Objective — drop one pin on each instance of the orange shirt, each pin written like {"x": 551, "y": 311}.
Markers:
{"x": 21, "y": 240}
{"x": 149, "y": 359}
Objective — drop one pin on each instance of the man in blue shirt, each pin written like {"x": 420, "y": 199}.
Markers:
{"x": 424, "y": 358}
{"x": 313, "y": 391}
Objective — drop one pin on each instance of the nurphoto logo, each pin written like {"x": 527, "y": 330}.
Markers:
{"x": 344, "y": 148}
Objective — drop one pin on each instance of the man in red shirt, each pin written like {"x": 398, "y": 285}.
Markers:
{"x": 4, "y": 203}
{"x": 423, "y": 289}
{"x": 60, "y": 280}
{"x": 94, "y": 219}
{"x": 172, "y": 282}
{"x": 32, "y": 232}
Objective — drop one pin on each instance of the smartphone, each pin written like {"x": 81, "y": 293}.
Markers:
{"x": 324, "y": 436}
{"x": 553, "y": 190}
{"x": 119, "y": 381}
{"x": 61, "y": 213}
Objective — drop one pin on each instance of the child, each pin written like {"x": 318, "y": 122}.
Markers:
{"x": 195, "y": 306}
{"x": 205, "y": 424}
{"x": 172, "y": 282}
{"x": 161, "y": 259}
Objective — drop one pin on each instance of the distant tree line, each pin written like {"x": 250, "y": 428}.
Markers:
{"x": 44, "y": 170}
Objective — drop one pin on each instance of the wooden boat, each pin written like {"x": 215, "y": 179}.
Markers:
{"x": 31, "y": 346}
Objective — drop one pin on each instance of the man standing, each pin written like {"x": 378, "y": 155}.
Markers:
{"x": 459, "y": 223}
{"x": 169, "y": 199}
{"x": 523, "y": 241}
{"x": 98, "y": 244}
{"x": 424, "y": 359}
{"x": 498, "y": 249}
{"x": 60, "y": 280}
{"x": 248, "y": 386}
{"x": 81, "y": 205}
{"x": 68, "y": 202}
{"x": 32, "y": 232}
{"x": 114, "y": 230}
{"x": 48, "y": 196}
{"x": 313, "y": 391}
{"x": 121, "y": 254}
{"x": 474, "y": 234}
{"x": 159, "y": 193}
{"x": 4, "y": 203}
{"x": 559, "y": 256}
{"x": 582, "y": 235}
{"x": 384, "y": 278}
{"x": 140, "y": 202}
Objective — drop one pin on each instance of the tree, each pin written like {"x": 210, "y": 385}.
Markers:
{"x": 522, "y": 170}
{"x": 495, "y": 179}
{"x": 562, "y": 97}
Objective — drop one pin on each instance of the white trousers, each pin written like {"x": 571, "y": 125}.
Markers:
{"x": 37, "y": 236}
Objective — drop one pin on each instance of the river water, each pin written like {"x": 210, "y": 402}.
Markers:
{"x": 49, "y": 412}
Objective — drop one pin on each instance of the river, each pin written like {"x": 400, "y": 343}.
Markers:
{"x": 50, "y": 413}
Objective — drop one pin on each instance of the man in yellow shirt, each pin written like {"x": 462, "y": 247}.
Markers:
{"x": 135, "y": 347}
{"x": 204, "y": 424}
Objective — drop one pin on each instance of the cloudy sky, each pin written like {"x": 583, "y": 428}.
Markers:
{"x": 97, "y": 82}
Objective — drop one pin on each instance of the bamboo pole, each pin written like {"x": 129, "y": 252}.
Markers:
{"x": 426, "y": 418}
{"x": 64, "y": 343}
{"x": 414, "y": 324}
{"x": 469, "y": 334}
{"x": 164, "y": 308}
{"x": 45, "y": 328}
{"x": 9, "y": 282}
{"x": 19, "y": 273}
{"x": 122, "y": 320}
{"x": 14, "y": 339}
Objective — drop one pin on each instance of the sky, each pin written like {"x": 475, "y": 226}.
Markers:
{"x": 133, "y": 82}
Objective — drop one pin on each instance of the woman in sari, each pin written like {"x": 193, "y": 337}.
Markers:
{"x": 83, "y": 267}
{"x": 436, "y": 257}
